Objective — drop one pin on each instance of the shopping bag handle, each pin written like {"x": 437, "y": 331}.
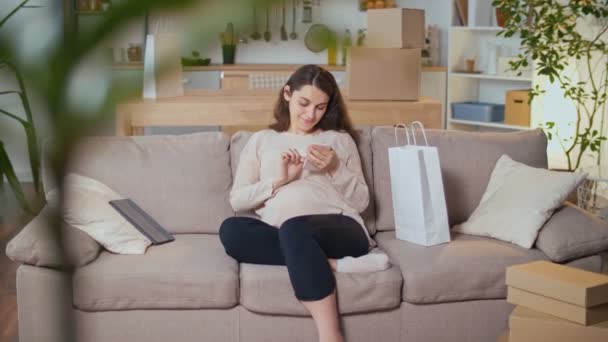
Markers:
{"x": 407, "y": 134}
{"x": 421, "y": 130}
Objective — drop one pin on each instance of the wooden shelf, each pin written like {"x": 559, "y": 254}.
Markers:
{"x": 477, "y": 28}
{"x": 492, "y": 77}
{"x": 488, "y": 124}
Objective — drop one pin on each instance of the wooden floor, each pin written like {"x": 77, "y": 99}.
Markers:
{"x": 12, "y": 219}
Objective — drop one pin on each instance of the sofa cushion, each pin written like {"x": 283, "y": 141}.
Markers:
{"x": 192, "y": 272}
{"x": 467, "y": 160}
{"x": 539, "y": 192}
{"x": 467, "y": 268}
{"x": 267, "y": 289}
{"x": 86, "y": 206}
{"x": 572, "y": 233}
{"x": 37, "y": 244}
{"x": 239, "y": 140}
{"x": 182, "y": 181}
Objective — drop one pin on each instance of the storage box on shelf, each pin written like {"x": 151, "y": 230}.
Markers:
{"x": 389, "y": 68}
{"x": 383, "y": 74}
{"x": 517, "y": 108}
{"x": 478, "y": 111}
{"x": 396, "y": 28}
{"x": 485, "y": 83}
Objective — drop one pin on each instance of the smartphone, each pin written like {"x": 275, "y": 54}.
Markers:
{"x": 309, "y": 165}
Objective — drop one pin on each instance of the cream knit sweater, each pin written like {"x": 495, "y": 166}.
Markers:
{"x": 312, "y": 192}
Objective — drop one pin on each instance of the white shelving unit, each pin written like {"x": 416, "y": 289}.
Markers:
{"x": 486, "y": 84}
{"x": 492, "y": 77}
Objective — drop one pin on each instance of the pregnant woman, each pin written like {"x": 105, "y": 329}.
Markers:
{"x": 303, "y": 179}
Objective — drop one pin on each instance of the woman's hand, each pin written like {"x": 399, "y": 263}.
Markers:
{"x": 322, "y": 157}
{"x": 290, "y": 168}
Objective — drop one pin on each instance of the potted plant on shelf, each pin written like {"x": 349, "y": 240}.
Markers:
{"x": 552, "y": 39}
{"x": 229, "y": 40}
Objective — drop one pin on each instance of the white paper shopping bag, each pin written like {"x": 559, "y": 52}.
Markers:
{"x": 417, "y": 190}
{"x": 162, "y": 64}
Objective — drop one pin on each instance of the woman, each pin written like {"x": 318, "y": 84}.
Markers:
{"x": 304, "y": 180}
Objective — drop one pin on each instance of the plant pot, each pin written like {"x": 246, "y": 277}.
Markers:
{"x": 500, "y": 18}
{"x": 228, "y": 52}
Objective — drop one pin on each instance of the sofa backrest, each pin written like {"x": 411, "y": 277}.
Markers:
{"x": 239, "y": 140}
{"x": 467, "y": 160}
{"x": 182, "y": 181}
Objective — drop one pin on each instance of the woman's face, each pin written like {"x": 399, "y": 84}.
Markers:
{"x": 306, "y": 108}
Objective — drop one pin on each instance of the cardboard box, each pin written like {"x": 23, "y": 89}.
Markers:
{"x": 567, "y": 284}
{"x": 517, "y": 109}
{"x": 395, "y": 28}
{"x": 571, "y": 312}
{"x": 383, "y": 74}
{"x": 527, "y": 325}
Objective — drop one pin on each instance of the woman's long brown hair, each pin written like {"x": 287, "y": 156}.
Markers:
{"x": 336, "y": 115}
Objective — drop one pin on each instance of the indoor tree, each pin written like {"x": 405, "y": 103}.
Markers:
{"x": 553, "y": 41}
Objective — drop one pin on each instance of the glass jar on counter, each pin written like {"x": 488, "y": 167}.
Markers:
{"x": 134, "y": 52}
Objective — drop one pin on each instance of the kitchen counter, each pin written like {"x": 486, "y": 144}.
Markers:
{"x": 230, "y": 108}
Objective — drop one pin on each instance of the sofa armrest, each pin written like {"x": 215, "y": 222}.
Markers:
{"x": 572, "y": 233}
{"x": 37, "y": 245}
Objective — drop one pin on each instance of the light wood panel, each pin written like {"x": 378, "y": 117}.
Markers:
{"x": 220, "y": 108}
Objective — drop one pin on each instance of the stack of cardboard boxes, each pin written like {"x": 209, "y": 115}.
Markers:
{"x": 556, "y": 303}
{"x": 389, "y": 67}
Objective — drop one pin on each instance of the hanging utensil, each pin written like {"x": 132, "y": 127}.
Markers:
{"x": 255, "y": 35}
{"x": 293, "y": 34}
{"x": 317, "y": 38}
{"x": 267, "y": 34}
{"x": 283, "y": 30}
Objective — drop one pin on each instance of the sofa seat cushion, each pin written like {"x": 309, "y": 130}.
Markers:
{"x": 467, "y": 268}
{"x": 192, "y": 272}
{"x": 267, "y": 289}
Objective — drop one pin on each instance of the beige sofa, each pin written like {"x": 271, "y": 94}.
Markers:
{"x": 190, "y": 290}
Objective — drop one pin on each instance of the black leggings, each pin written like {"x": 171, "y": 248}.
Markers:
{"x": 302, "y": 243}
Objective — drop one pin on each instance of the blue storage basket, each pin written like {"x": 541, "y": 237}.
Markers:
{"x": 478, "y": 111}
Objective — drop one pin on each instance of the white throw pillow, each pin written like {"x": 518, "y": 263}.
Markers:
{"x": 518, "y": 201}
{"x": 86, "y": 207}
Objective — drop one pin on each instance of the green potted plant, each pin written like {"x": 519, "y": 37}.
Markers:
{"x": 229, "y": 40}
{"x": 552, "y": 40}
{"x": 6, "y": 166}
